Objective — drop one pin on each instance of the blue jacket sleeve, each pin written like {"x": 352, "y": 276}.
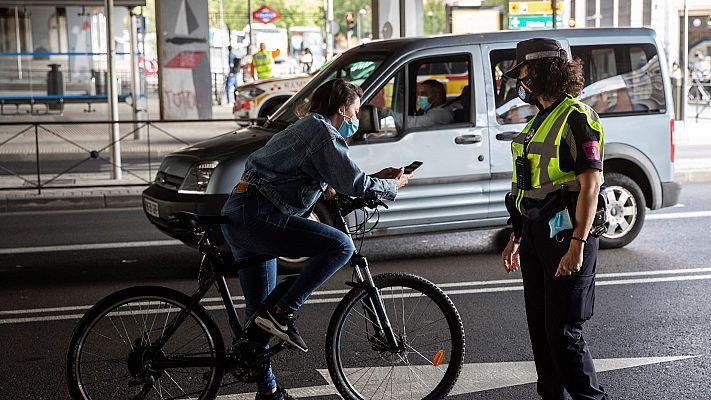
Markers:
{"x": 332, "y": 165}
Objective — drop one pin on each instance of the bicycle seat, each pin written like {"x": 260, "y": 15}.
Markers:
{"x": 190, "y": 220}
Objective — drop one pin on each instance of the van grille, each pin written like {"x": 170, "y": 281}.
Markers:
{"x": 167, "y": 181}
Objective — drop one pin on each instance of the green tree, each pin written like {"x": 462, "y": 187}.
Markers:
{"x": 435, "y": 17}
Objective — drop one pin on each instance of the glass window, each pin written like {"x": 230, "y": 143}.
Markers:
{"x": 390, "y": 102}
{"x": 618, "y": 79}
{"x": 442, "y": 94}
{"x": 354, "y": 70}
{"x": 622, "y": 78}
{"x": 509, "y": 108}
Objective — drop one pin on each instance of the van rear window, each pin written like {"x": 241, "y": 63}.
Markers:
{"x": 619, "y": 79}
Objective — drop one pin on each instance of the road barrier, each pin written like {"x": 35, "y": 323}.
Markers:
{"x": 77, "y": 154}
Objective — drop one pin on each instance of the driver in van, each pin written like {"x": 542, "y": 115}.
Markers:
{"x": 281, "y": 182}
{"x": 432, "y": 106}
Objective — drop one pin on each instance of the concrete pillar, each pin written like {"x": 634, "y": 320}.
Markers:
{"x": 79, "y": 41}
{"x": 397, "y": 18}
{"x": 386, "y": 19}
{"x": 580, "y": 21}
{"x": 40, "y": 29}
{"x": 636, "y": 13}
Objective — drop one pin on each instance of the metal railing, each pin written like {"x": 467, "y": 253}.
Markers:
{"x": 77, "y": 154}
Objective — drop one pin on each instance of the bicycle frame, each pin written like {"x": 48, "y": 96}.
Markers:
{"x": 212, "y": 272}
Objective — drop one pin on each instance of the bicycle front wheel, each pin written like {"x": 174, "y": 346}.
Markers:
{"x": 429, "y": 354}
{"x": 145, "y": 343}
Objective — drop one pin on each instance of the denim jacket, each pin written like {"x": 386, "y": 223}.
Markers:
{"x": 298, "y": 164}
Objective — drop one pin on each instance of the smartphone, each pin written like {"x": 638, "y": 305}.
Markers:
{"x": 410, "y": 168}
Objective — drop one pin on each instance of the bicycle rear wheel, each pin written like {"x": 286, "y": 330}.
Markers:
{"x": 113, "y": 352}
{"x": 429, "y": 331}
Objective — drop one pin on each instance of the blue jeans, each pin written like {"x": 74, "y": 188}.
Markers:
{"x": 258, "y": 227}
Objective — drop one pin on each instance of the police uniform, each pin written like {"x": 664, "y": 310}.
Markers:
{"x": 562, "y": 141}
{"x": 263, "y": 61}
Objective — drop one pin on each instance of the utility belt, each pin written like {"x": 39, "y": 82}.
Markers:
{"x": 560, "y": 200}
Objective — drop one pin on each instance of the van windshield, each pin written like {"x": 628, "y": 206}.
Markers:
{"x": 355, "y": 70}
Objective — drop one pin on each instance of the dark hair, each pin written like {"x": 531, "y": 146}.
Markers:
{"x": 331, "y": 95}
{"x": 555, "y": 76}
{"x": 437, "y": 87}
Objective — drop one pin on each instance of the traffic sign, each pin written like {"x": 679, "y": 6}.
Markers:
{"x": 532, "y": 21}
{"x": 266, "y": 14}
{"x": 533, "y": 7}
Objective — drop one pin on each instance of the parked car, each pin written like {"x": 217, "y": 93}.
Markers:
{"x": 262, "y": 98}
{"x": 467, "y": 163}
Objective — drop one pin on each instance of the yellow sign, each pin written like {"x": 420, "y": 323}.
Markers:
{"x": 534, "y": 7}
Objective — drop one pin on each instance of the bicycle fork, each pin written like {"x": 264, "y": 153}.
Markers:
{"x": 374, "y": 305}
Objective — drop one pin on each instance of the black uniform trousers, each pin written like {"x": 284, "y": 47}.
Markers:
{"x": 556, "y": 308}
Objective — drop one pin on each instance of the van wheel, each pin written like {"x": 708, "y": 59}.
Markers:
{"x": 626, "y": 209}
{"x": 288, "y": 266}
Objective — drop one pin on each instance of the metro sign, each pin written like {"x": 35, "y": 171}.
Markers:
{"x": 266, "y": 14}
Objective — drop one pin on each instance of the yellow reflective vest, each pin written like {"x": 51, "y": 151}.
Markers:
{"x": 262, "y": 61}
{"x": 542, "y": 151}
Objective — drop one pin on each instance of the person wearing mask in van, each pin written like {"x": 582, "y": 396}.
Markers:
{"x": 281, "y": 182}
{"x": 556, "y": 182}
{"x": 431, "y": 111}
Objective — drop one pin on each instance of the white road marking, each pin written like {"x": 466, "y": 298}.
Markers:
{"x": 327, "y": 296}
{"x": 157, "y": 243}
{"x": 478, "y": 377}
{"x": 680, "y": 215}
{"x": 91, "y": 246}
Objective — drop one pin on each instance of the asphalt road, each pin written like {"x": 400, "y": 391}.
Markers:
{"x": 650, "y": 333}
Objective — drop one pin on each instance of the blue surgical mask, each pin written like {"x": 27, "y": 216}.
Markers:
{"x": 560, "y": 222}
{"x": 348, "y": 128}
{"x": 423, "y": 102}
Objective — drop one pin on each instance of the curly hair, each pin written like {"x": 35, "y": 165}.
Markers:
{"x": 555, "y": 76}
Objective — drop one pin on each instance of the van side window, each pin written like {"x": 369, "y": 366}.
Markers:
{"x": 622, "y": 79}
{"x": 509, "y": 108}
{"x": 389, "y": 101}
{"x": 442, "y": 94}
{"x": 619, "y": 79}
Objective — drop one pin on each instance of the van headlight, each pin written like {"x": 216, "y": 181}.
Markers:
{"x": 198, "y": 177}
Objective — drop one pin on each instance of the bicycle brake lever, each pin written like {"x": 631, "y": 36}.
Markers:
{"x": 381, "y": 203}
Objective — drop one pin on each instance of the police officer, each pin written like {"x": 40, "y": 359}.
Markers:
{"x": 262, "y": 62}
{"x": 556, "y": 182}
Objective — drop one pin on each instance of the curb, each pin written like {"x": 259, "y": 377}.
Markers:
{"x": 69, "y": 202}
{"x": 691, "y": 176}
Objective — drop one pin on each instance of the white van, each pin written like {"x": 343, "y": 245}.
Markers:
{"x": 467, "y": 163}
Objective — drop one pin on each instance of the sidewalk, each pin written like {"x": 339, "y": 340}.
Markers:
{"x": 692, "y": 163}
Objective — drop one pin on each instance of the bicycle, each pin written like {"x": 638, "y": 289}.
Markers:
{"x": 156, "y": 342}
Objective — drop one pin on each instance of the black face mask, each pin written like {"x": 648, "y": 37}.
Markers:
{"x": 524, "y": 88}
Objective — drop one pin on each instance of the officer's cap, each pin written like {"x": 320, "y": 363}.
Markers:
{"x": 533, "y": 49}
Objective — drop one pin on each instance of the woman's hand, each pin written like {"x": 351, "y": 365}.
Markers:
{"x": 572, "y": 260}
{"x": 389, "y": 173}
{"x": 511, "y": 257}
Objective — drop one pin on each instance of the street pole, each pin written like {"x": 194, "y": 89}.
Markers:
{"x": 329, "y": 29}
{"x": 249, "y": 21}
{"x": 113, "y": 93}
{"x": 555, "y": 14}
{"x": 18, "y": 43}
{"x": 135, "y": 82}
{"x": 685, "y": 70}
{"x": 222, "y": 32}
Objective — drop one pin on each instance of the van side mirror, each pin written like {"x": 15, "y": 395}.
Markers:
{"x": 369, "y": 120}
{"x": 507, "y": 136}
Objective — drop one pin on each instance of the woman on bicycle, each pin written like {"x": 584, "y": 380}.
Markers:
{"x": 281, "y": 182}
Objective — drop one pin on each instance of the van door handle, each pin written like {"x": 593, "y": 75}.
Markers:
{"x": 507, "y": 136}
{"x": 468, "y": 139}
